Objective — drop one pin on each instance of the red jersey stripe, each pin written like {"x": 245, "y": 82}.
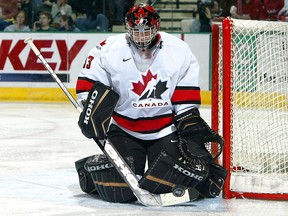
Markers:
{"x": 144, "y": 125}
{"x": 186, "y": 95}
{"x": 84, "y": 85}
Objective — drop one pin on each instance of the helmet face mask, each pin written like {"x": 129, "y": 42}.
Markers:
{"x": 142, "y": 23}
{"x": 142, "y": 37}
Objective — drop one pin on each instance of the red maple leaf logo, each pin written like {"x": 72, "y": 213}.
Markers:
{"x": 139, "y": 16}
{"x": 139, "y": 87}
{"x": 103, "y": 43}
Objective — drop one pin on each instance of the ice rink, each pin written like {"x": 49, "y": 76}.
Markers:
{"x": 39, "y": 145}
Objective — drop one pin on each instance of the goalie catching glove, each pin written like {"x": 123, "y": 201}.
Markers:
{"x": 196, "y": 138}
{"x": 95, "y": 117}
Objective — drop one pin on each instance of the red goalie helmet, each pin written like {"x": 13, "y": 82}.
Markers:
{"x": 143, "y": 24}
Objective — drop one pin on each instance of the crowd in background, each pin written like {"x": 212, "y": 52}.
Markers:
{"x": 101, "y": 15}
{"x": 270, "y": 10}
{"x": 62, "y": 15}
{"x": 260, "y": 10}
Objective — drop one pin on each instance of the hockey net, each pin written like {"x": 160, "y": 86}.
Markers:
{"x": 250, "y": 105}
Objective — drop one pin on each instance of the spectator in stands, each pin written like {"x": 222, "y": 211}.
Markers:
{"x": 127, "y": 4}
{"x": 8, "y": 10}
{"x": 19, "y": 5}
{"x": 273, "y": 8}
{"x": 242, "y": 12}
{"x": 250, "y": 9}
{"x": 120, "y": 8}
{"x": 206, "y": 13}
{"x": 28, "y": 7}
{"x": 20, "y": 23}
{"x": 118, "y": 11}
{"x": 44, "y": 23}
{"x": 225, "y": 6}
{"x": 46, "y": 5}
{"x": 92, "y": 15}
{"x": 283, "y": 13}
{"x": 60, "y": 8}
{"x": 67, "y": 24}
{"x": 258, "y": 10}
{"x": 37, "y": 3}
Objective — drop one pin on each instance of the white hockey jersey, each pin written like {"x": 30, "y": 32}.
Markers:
{"x": 153, "y": 86}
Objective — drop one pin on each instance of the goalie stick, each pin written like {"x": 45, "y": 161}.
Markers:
{"x": 143, "y": 196}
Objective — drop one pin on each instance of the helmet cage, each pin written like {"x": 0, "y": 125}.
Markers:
{"x": 142, "y": 37}
{"x": 142, "y": 23}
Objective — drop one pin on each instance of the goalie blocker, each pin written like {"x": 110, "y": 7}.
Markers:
{"x": 95, "y": 118}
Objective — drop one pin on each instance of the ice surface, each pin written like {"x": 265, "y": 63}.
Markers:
{"x": 39, "y": 144}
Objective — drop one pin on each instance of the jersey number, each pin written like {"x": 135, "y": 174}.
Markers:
{"x": 88, "y": 62}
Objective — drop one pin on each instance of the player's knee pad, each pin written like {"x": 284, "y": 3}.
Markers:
{"x": 213, "y": 184}
{"x": 165, "y": 174}
{"x": 108, "y": 182}
{"x": 85, "y": 179}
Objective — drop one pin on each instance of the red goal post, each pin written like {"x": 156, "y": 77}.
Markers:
{"x": 250, "y": 105}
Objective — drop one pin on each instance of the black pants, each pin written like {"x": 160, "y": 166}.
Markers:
{"x": 128, "y": 145}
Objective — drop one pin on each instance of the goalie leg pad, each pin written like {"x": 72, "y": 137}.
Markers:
{"x": 92, "y": 165}
{"x": 109, "y": 183}
{"x": 85, "y": 179}
{"x": 213, "y": 184}
{"x": 165, "y": 174}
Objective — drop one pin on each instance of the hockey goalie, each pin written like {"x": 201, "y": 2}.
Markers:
{"x": 140, "y": 93}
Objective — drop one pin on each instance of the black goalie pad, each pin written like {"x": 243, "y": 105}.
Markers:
{"x": 108, "y": 182}
{"x": 99, "y": 106}
{"x": 85, "y": 179}
{"x": 213, "y": 184}
{"x": 167, "y": 174}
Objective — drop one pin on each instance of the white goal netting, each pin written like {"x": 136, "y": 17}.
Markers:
{"x": 259, "y": 106}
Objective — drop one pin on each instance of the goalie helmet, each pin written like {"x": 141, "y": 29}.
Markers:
{"x": 143, "y": 24}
